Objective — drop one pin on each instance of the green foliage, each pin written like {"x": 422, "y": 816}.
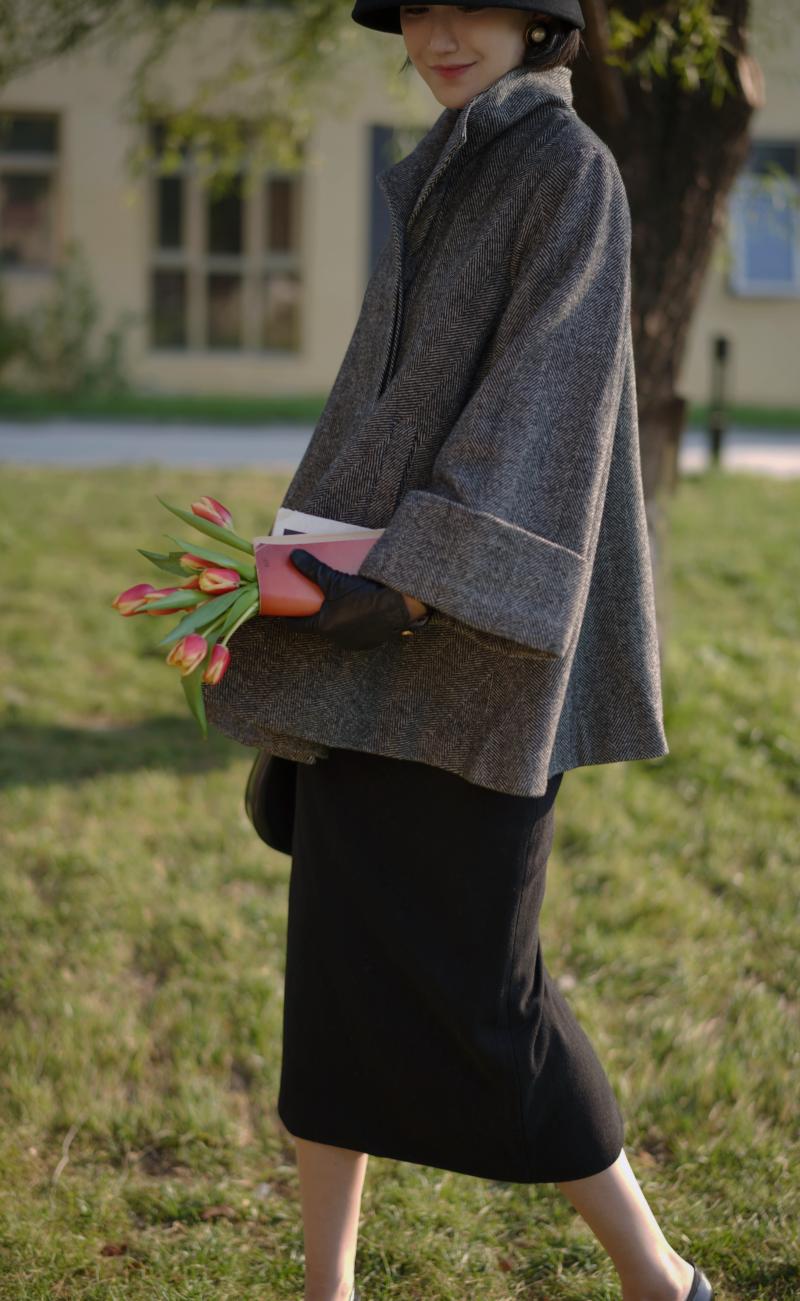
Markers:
{"x": 219, "y": 558}
{"x": 169, "y": 562}
{"x": 194, "y": 621}
{"x": 178, "y": 600}
{"x": 211, "y": 529}
{"x": 282, "y": 75}
{"x": 257, "y": 108}
{"x": 163, "y": 408}
{"x": 193, "y": 691}
{"x": 240, "y": 611}
{"x": 58, "y": 343}
{"x": 13, "y": 334}
{"x": 142, "y": 928}
{"x": 679, "y": 38}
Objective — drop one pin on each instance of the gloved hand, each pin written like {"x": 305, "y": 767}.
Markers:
{"x": 357, "y": 613}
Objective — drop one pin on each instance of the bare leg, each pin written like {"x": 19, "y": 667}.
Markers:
{"x": 331, "y": 1181}
{"x": 616, "y": 1210}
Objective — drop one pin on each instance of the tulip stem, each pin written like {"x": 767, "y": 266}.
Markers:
{"x": 215, "y": 625}
{"x": 248, "y": 614}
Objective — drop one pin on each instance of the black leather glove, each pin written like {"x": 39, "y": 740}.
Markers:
{"x": 357, "y": 613}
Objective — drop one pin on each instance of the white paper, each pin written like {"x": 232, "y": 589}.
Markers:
{"x": 300, "y": 522}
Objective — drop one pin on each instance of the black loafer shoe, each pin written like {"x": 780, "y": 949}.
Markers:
{"x": 701, "y": 1289}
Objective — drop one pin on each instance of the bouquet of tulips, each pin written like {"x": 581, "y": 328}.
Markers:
{"x": 219, "y": 595}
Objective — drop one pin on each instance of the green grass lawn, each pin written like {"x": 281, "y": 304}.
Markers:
{"x": 142, "y": 929}
{"x": 237, "y": 409}
{"x": 197, "y": 408}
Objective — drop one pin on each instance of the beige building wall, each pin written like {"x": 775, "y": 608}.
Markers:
{"x": 110, "y": 212}
{"x": 763, "y": 331}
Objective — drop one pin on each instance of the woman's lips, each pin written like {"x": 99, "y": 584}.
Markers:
{"x": 453, "y": 71}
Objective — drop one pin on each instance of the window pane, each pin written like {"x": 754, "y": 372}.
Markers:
{"x": 224, "y": 310}
{"x": 170, "y": 212}
{"x": 280, "y": 311}
{"x": 225, "y": 219}
{"x": 168, "y": 309}
{"x": 767, "y": 155}
{"x": 22, "y": 133}
{"x": 283, "y": 214}
{"x": 26, "y": 220}
{"x": 769, "y": 230}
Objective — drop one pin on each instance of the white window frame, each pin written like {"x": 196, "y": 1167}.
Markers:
{"x": 254, "y": 262}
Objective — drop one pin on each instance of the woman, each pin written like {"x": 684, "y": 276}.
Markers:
{"x": 500, "y": 632}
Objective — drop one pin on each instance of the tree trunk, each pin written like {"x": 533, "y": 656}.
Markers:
{"x": 679, "y": 156}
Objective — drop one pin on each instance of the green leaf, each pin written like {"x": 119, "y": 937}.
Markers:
{"x": 216, "y": 557}
{"x": 193, "y": 690}
{"x": 204, "y": 615}
{"x": 212, "y": 530}
{"x": 246, "y": 599}
{"x": 167, "y": 563}
{"x": 212, "y": 631}
{"x": 179, "y": 600}
{"x": 250, "y": 612}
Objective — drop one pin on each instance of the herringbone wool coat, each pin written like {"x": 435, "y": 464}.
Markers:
{"x": 485, "y": 416}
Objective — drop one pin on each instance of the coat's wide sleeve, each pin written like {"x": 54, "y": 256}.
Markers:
{"x": 503, "y": 536}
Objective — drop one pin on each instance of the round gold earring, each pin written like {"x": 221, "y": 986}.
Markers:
{"x": 533, "y": 35}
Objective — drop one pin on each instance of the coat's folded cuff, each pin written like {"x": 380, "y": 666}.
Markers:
{"x": 484, "y": 571}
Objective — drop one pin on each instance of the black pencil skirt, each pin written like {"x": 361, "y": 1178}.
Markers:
{"x": 420, "y": 1021}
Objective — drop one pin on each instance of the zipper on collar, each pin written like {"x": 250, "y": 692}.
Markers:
{"x": 398, "y": 239}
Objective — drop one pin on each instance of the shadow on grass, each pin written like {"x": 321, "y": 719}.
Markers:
{"x": 32, "y": 755}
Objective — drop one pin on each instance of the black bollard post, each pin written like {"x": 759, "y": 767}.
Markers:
{"x": 717, "y": 412}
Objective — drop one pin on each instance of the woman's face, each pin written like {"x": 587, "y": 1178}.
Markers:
{"x": 478, "y": 43}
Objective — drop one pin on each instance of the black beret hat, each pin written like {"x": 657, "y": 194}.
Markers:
{"x": 384, "y": 15}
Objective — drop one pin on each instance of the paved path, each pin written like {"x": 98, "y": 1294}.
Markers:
{"x": 71, "y": 442}
{"x": 279, "y": 447}
{"x": 760, "y": 451}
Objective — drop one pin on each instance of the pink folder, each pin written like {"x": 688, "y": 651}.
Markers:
{"x": 282, "y": 588}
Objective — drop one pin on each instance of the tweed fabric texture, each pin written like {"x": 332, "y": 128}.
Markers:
{"x": 485, "y": 416}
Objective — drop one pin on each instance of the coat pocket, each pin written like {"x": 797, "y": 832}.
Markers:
{"x": 488, "y": 641}
{"x": 389, "y": 464}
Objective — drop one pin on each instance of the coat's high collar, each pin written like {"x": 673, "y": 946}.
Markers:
{"x": 518, "y": 93}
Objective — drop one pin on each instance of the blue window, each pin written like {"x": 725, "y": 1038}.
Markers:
{"x": 765, "y": 222}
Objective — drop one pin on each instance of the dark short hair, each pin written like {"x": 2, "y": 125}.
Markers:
{"x": 562, "y": 47}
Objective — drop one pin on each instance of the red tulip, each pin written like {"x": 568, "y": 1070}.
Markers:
{"x": 188, "y": 561}
{"x": 191, "y": 583}
{"x": 217, "y": 664}
{"x": 156, "y": 594}
{"x": 187, "y": 653}
{"x": 133, "y": 599}
{"x": 214, "y": 511}
{"x": 215, "y": 580}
